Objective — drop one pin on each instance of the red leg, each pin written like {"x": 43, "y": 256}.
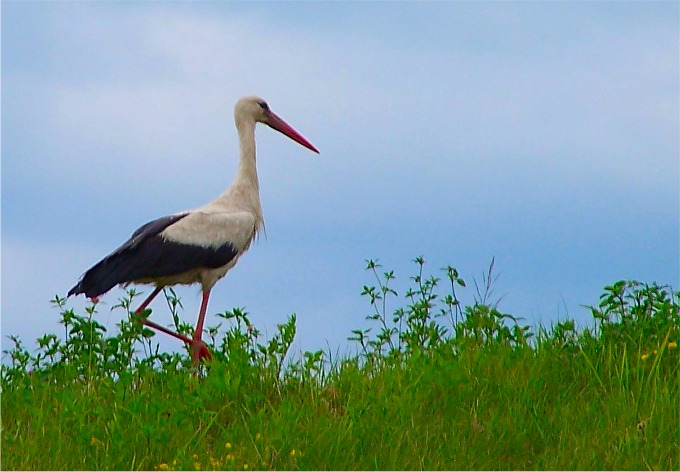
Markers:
{"x": 198, "y": 346}
{"x": 148, "y": 300}
{"x": 200, "y": 349}
{"x": 165, "y": 330}
{"x": 151, "y": 324}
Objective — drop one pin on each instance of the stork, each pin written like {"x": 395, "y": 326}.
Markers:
{"x": 194, "y": 246}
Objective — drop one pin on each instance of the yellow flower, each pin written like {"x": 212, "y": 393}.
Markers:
{"x": 197, "y": 466}
{"x": 292, "y": 453}
{"x": 229, "y": 457}
{"x": 672, "y": 345}
{"x": 245, "y": 466}
{"x": 227, "y": 445}
{"x": 258, "y": 435}
{"x": 195, "y": 456}
{"x": 163, "y": 466}
{"x": 644, "y": 357}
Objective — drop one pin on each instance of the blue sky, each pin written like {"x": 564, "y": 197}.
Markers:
{"x": 542, "y": 134}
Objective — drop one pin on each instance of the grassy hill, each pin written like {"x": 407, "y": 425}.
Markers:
{"x": 435, "y": 386}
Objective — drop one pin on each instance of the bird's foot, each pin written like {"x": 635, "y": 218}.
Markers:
{"x": 200, "y": 351}
{"x": 204, "y": 352}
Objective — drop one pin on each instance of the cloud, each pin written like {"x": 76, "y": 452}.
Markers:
{"x": 544, "y": 107}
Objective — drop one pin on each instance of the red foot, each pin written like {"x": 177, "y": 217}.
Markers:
{"x": 200, "y": 351}
{"x": 203, "y": 352}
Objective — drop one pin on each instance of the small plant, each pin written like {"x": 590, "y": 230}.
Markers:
{"x": 635, "y": 312}
{"x": 438, "y": 385}
{"x": 417, "y": 327}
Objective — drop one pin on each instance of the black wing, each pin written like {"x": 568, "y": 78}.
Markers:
{"x": 148, "y": 255}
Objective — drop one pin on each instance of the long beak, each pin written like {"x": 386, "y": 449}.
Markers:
{"x": 274, "y": 121}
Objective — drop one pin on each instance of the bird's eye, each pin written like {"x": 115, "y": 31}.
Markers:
{"x": 264, "y": 105}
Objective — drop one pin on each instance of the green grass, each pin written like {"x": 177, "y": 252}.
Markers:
{"x": 434, "y": 386}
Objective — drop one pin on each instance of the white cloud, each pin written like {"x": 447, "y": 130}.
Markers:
{"x": 566, "y": 107}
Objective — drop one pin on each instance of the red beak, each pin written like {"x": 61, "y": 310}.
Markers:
{"x": 274, "y": 121}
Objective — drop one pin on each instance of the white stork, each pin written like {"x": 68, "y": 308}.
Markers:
{"x": 195, "y": 246}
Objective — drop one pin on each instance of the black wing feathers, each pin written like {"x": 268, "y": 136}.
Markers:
{"x": 148, "y": 255}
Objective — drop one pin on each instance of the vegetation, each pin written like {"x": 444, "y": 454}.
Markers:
{"x": 434, "y": 385}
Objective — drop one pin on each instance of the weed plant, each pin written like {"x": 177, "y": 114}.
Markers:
{"x": 433, "y": 385}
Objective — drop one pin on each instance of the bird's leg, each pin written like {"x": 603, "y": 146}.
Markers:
{"x": 200, "y": 350}
{"x": 158, "y": 327}
{"x": 148, "y": 300}
{"x": 139, "y": 311}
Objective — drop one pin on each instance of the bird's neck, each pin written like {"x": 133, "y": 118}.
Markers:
{"x": 244, "y": 192}
{"x": 247, "y": 169}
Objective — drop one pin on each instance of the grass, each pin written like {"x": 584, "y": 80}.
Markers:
{"x": 434, "y": 386}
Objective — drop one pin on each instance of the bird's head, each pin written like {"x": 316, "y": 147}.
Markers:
{"x": 256, "y": 109}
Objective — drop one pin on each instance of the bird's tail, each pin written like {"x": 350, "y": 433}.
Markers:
{"x": 101, "y": 278}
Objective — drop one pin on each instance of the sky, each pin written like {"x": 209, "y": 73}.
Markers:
{"x": 542, "y": 134}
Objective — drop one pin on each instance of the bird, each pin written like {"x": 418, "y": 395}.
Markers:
{"x": 197, "y": 246}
